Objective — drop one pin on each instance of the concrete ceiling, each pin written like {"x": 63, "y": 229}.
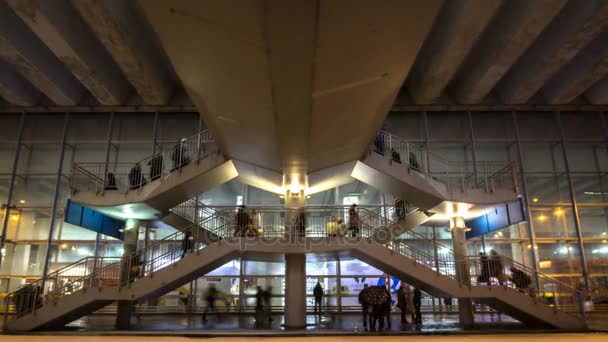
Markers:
{"x": 83, "y": 53}
{"x": 297, "y": 86}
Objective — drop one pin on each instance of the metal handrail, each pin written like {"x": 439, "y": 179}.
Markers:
{"x": 270, "y": 222}
{"x": 455, "y": 175}
{"x": 128, "y": 176}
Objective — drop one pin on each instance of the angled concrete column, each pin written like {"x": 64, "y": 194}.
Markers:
{"x": 576, "y": 26}
{"x": 126, "y": 34}
{"x": 451, "y": 39}
{"x": 61, "y": 28}
{"x": 517, "y": 24}
{"x": 125, "y": 308}
{"x": 15, "y": 89}
{"x": 587, "y": 68}
{"x": 598, "y": 94}
{"x": 295, "y": 264}
{"x": 34, "y": 61}
{"x": 459, "y": 244}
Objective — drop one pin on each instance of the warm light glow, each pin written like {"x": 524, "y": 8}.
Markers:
{"x": 535, "y": 247}
{"x": 22, "y": 201}
{"x": 457, "y": 222}
{"x": 535, "y": 200}
{"x": 545, "y": 264}
{"x": 295, "y": 184}
{"x": 15, "y": 217}
{"x": 604, "y": 241}
{"x": 64, "y": 246}
{"x": 73, "y": 248}
{"x": 542, "y": 218}
{"x": 558, "y": 212}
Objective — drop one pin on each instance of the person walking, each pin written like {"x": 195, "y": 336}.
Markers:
{"x": 187, "y": 243}
{"x": 242, "y": 222}
{"x": 364, "y": 306}
{"x": 318, "y": 294}
{"x": 388, "y": 308}
{"x": 353, "y": 221}
{"x": 210, "y": 298}
{"x": 403, "y": 295}
{"x": 156, "y": 166}
{"x": 136, "y": 178}
{"x": 520, "y": 279}
{"x": 417, "y": 305}
{"x": 259, "y": 308}
{"x": 267, "y": 307}
{"x": 496, "y": 267}
{"x": 486, "y": 265}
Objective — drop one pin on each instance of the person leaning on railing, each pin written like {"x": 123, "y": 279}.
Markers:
{"x": 521, "y": 280}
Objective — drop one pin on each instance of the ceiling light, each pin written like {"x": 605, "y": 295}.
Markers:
{"x": 535, "y": 200}
{"x": 542, "y": 218}
{"x": 22, "y": 201}
{"x": 558, "y": 212}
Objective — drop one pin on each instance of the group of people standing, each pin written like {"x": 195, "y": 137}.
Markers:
{"x": 136, "y": 177}
{"x": 491, "y": 267}
{"x": 376, "y": 305}
{"x": 337, "y": 226}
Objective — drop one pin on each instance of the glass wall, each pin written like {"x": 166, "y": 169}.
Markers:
{"x": 563, "y": 158}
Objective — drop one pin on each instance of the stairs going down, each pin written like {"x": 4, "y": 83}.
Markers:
{"x": 497, "y": 281}
{"x": 154, "y": 184}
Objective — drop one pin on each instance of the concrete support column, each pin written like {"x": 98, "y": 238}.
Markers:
{"x": 295, "y": 291}
{"x": 459, "y": 244}
{"x": 295, "y": 264}
{"x": 125, "y": 307}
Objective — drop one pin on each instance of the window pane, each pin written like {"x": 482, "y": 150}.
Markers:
{"x": 321, "y": 267}
{"x": 553, "y": 222}
{"x": 231, "y": 268}
{"x": 594, "y": 221}
{"x": 358, "y": 268}
{"x": 559, "y": 257}
{"x": 264, "y": 268}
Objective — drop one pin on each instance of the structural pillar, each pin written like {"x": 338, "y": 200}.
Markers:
{"x": 459, "y": 244}
{"x": 295, "y": 264}
{"x": 125, "y": 307}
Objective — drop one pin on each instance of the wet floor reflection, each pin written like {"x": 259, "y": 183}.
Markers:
{"x": 326, "y": 323}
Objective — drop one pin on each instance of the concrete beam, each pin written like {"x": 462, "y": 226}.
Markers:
{"x": 21, "y": 48}
{"x": 579, "y": 23}
{"x": 587, "y": 68}
{"x": 60, "y": 27}
{"x": 457, "y": 28}
{"x": 515, "y": 27}
{"x": 598, "y": 94}
{"x": 126, "y": 34}
{"x": 14, "y": 88}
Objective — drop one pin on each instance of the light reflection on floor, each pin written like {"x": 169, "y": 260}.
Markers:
{"x": 443, "y": 338}
{"x": 336, "y": 323}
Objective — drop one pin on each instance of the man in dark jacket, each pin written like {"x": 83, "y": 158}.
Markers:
{"x": 417, "y": 305}
{"x": 318, "y": 294}
{"x": 403, "y": 295}
{"x": 364, "y": 306}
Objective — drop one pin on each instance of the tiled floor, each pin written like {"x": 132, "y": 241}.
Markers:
{"x": 442, "y": 338}
{"x": 330, "y": 323}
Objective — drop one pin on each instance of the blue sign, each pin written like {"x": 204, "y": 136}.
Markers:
{"x": 504, "y": 216}
{"x": 93, "y": 220}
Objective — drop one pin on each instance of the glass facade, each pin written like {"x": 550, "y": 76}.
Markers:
{"x": 563, "y": 158}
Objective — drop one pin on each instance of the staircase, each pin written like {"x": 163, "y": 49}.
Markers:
{"x": 156, "y": 183}
{"x": 413, "y": 258}
{"x": 100, "y": 281}
{"x": 426, "y": 180}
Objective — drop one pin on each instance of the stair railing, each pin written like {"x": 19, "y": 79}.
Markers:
{"x": 125, "y": 177}
{"x": 457, "y": 176}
